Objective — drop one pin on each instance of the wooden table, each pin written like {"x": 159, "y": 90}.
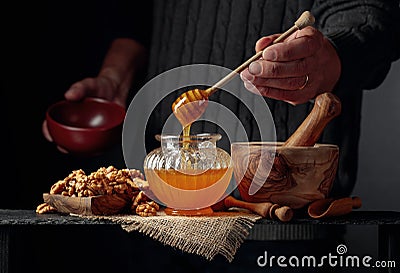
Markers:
{"x": 60, "y": 243}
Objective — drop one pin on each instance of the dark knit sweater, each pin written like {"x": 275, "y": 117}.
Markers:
{"x": 223, "y": 32}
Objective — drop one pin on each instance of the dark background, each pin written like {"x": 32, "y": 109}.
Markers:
{"x": 378, "y": 180}
{"x": 48, "y": 45}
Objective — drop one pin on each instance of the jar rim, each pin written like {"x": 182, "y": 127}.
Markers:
{"x": 192, "y": 138}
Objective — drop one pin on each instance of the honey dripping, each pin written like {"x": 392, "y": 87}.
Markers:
{"x": 187, "y": 109}
{"x": 186, "y": 136}
{"x": 185, "y": 146}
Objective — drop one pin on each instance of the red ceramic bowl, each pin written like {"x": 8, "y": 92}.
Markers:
{"x": 87, "y": 127}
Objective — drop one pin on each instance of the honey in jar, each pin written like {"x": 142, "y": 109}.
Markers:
{"x": 188, "y": 174}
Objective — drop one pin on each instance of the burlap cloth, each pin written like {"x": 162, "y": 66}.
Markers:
{"x": 220, "y": 233}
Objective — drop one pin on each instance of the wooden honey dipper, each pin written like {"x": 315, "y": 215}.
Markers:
{"x": 264, "y": 209}
{"x": 189, "y": 106}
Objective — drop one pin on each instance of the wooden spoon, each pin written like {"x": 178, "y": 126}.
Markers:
{"x": 189, "y": 106}
{"x": 333, "y": 207}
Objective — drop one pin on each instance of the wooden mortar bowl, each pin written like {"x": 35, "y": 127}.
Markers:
{"x": 285, "y": 175}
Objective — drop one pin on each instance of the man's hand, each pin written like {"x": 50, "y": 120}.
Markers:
{"x": 296, "y": 70}
{"x": 101, "y": 87}
{"x": 124, "y": 58}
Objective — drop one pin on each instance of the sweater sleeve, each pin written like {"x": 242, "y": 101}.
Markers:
{"x": 366, "y": 35}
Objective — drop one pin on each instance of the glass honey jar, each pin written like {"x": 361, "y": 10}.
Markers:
{"x": 188, "y": 174}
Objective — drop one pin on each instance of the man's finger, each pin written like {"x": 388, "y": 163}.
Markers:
{"x": 306, "y": 43}
{"x": 293, "y": 83}
{"x": 81, "y": 89}
{"x": 265, "y": 41}
{"x": 268, "y": 69}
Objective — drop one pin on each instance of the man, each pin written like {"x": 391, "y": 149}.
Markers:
{"x": 349, "y": 49}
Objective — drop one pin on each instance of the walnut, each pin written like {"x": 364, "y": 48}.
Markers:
{"x": 144, "y": 206}
{"x": 121, "y": 188}
{"x": 108, "y": 181}
{"x": 140, "y": 198}
{"x": 140, "y": 183}
{"x": 58, "y": 187}
{"x": 45, "y": 208}
{"x": 134, "y": 174}
{"x": 147, "y": 209}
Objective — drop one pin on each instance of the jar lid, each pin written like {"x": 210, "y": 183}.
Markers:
{"x": 192, "y": 138}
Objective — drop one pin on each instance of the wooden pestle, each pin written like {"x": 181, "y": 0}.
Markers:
{"x": 264, "y": 209}
{"x": 189, "y": 106}
{"x": 326, "y": 107}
